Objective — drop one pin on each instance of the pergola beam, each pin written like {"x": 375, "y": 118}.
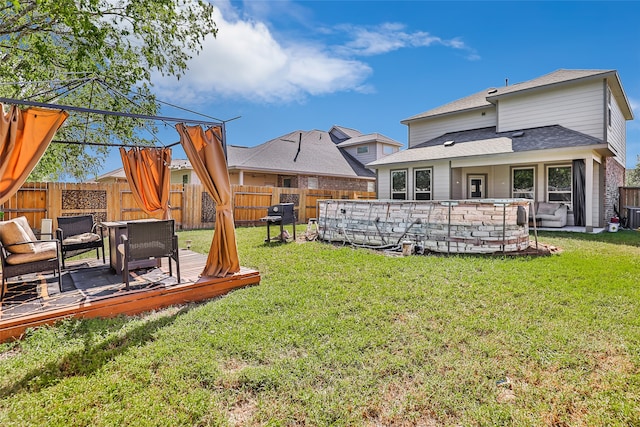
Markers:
{"x": 110, "y": 113}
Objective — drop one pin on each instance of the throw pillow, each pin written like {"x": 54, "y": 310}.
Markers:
{"x": 22, "y": 222}
{"x": 10, "y": 233}
{"x": 547, "y": 208}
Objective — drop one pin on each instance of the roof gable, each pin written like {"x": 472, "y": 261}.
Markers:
{"x": 489, "y": 96}
{"x": 308, "y": 152}
{"x": 369, "y": 138}
{"x": 341, "y": 133}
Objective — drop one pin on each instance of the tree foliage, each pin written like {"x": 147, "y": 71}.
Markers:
{"x": 633, "y": 176}
{"x": 99, "y": 54}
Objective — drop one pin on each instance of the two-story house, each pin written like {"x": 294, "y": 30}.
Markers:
{"x": 558, "y": 138}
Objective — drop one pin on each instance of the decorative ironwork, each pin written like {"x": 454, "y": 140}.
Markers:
{"x": 290, "y": 198}
{"x": 84, "y": 199}
{"x": 208, "y": 213}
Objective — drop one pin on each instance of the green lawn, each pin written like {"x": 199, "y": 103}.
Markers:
{"x": 341, "y": 336}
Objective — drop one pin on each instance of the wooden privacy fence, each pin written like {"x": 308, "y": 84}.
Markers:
{"x": 629, "y": 196}
{"x": 191, "y": 205}
{"x": 250, "y": 202}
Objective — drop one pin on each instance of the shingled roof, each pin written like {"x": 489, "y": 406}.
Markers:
{"x": 308, "y": 152}
{"x": 486, "y": 141}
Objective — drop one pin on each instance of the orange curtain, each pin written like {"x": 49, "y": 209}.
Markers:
{"x": 204, "y": 150}
{"x": 24, "y": 137}
{"x": 147, "y": 170}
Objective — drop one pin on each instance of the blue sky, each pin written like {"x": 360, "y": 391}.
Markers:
{"x": 300, "y": 65}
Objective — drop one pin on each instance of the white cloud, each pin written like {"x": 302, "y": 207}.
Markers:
{"x": 635, "y": 108}
{"x": 247, "y": 61}
{"x": 635, "y": 104}
{"x": 392, "y": 36}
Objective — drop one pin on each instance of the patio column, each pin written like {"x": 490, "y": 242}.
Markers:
{"x": 241, "y": 177}
{"x": 588, "y": 197}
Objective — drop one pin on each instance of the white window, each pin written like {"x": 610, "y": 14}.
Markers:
{"x": 399, "y": 184}
{"x": 523, "y": 183}
{"x": 388, "y": 149}
{"x": 312, "y": 183}
{"x": 422, "y": 184}
{"x": 559, "y": 184}
{"x": 363, "y": 150}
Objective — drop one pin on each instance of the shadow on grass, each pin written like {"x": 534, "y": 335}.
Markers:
{"x": 622, "y": 237}
{"x": 91, "y": 357}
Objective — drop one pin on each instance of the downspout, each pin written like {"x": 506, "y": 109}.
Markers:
{"x": 605, "y": 112}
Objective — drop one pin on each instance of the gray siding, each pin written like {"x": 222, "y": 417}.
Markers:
{"x": 384, "y": 183}
{"x": 617, "y": 133}
{"x": 441, "y": 184}
{"x": 424, "y": 130}
{"x": 380, "y": 150}
{"x": 579, "y": 107}
{"x": 363, "y": 158}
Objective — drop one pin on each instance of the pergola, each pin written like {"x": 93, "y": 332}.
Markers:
{"x": 25, "y": 134}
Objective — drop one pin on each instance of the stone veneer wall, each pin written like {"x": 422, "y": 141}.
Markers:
{"x": 463, "y": 226}
{"x": 614, "y": 179}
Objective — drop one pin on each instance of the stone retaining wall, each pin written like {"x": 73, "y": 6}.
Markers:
{"x": 458, "y": 226}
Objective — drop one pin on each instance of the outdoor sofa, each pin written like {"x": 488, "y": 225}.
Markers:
{"x": 550, "y": 215}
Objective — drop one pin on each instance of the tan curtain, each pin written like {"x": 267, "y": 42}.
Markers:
{"x": 147, "y": 170}
{"x": 24, "y": 137}
{"x": 204, "y": 150}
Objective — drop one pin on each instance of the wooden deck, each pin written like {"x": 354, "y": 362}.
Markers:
{"x": 91, "y": 289}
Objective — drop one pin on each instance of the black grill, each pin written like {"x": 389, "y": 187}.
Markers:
{"x": 281, "y": 215}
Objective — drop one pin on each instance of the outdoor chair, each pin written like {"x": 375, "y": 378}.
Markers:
{"x": 78, "y": 234}
{"x": 149, "y": 239}
{"x": 22, "y": 253}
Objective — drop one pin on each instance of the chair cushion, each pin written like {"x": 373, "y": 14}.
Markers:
{"x": 547, "y": 208}
{"x": 81, "y": 238}
{"x": 12, "y": 232}
{"x": 22, "y": 221}
{"x": 43, "y": 251}
{"x": 547, "y": 217}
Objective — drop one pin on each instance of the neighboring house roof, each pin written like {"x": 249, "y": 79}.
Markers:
{"x": 486, "y": 141}
{"x": 115, "y": 174}
{"x": 176, "y": 164}
{"x": 300, "y": 152}
{"x": 237, "y": 154}
{"x": 368, "y": 138}
{"x": 489, "y": 96}
{"x": 308, "y": 152}
{"x": 348, "y": 132}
